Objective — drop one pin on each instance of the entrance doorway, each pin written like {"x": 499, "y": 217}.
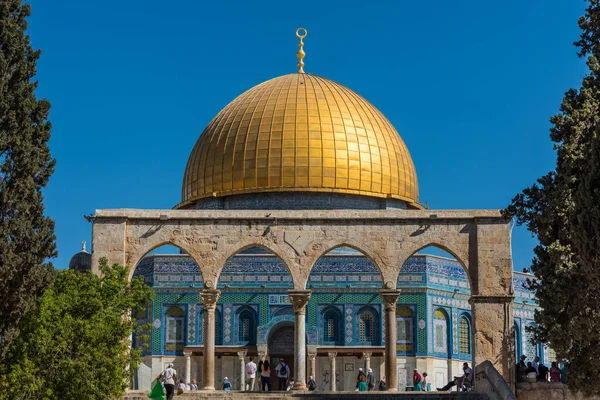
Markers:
{"x": 281, "y": 345}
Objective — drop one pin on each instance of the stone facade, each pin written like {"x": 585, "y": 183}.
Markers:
{"x": 479, "y": 240}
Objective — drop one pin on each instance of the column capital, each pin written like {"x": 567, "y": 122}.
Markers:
{"x": 210, "y": 298}
{"x": 299, "y": 299}
{"x": 389, "y": 298}
{"x": 312, "y": 355}
{"x": 262, "y": 355}
{"x": 187, "y": 354}
{"x": 242, "y": 354}
{"x": 332, "y": 355}
{"x": 367, "y": 355}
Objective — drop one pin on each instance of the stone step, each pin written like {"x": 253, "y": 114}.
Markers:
{"x": 236, "y": 395}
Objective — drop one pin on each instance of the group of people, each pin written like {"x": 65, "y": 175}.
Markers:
{"x": 168, "y": 378}
{"x": 535, "y": 371}
{"x": 261, "y": 373}
{"x": 366, "y": 382}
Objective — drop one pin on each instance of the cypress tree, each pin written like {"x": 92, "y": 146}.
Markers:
{"x": 563, "y": 210}
{"x": 27, "y": 238}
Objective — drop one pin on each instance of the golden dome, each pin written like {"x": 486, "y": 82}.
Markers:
{"x": 300, "y": 132}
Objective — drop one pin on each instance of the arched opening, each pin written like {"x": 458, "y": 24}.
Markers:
{"x": 174, "y": 330}
{"x": 246, "y": 326}
{"x": 441, "y": 342}
{"x": 174, "y": 313}
{"x": 438, "y": 269}
{"x": 281, "y": 347}
{"x": 343, "y": 281}
{"x": 254, "y": 283}
{"x": 405, "y": 330}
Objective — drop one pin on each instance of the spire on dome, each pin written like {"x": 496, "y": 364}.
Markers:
{"x": 83, "y": 246}
{"x": 300, "y": 54}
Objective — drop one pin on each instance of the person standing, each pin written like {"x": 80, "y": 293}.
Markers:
{"x": 417, "y": 381}
{"x": 311, "y": 384}
{"x": 554, "y": 372}
{"x": 259, "y": 375}
{"x": 265, "y": 376}
{"x": 250, "y": 375}
{"x": 536, "y": 364}
{"x": 370, "y": 380}
{"x": 361, "y": 374}
{"x": 426, "y": 383}
{"x": 169, "y": 376}
{"x": 542, "y": 373}
{"x": 362, "y": 383}
{"x": 520, "y": 370}
{"x": 283, "y": 373}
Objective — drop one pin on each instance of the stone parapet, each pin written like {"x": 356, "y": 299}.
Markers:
{"x": 548, "y": 391}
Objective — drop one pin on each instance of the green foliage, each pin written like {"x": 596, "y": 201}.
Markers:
{"x": 26, "y": 235}
{"x": 75, "y": 344}
{"x": 563, "y": 210}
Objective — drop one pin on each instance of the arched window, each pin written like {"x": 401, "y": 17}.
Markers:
{"x": 246, "y": 326}
{"x": 331, "y": 327}
{"x": 464, "y": 336}
{"x": 440, "y": 332}
{"x": 405, "y": 327}
{"x": 368, "y": 324}
{"x": 532, "y": 347}
{"x": 175, "y": 326}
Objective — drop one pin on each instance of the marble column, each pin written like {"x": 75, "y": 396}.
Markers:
{"x": 242, "y": 356}
{"x": 299, "y": 299}
{"x": 209, "y": 301}
{"x": 188, "y": 366}
{"x": 312, "y": 357}
{"x": 367, "y": 357}
{"x": 333, "y": 374}
{"x": 390, "y": 298}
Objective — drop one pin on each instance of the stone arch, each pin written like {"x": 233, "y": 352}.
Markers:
{"x": 134, "y": 258}
{"x": 363, "y": 249}
{"x": 461, "y": 256}
{"x": 277, "y": 251}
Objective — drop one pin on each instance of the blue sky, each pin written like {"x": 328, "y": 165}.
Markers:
{"x": 469, "y": 85}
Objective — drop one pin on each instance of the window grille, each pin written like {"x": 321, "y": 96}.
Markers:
{"x": 367, "y": 328}
{"x": 464, "y": 336}
{"x": 175, "y": 328}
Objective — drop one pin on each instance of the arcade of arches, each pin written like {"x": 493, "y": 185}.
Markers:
{"x": 478, "y": 239}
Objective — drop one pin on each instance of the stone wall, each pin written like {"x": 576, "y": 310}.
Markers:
{"x": 548, "y": 391}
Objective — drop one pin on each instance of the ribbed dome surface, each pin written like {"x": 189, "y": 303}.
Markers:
{"x": 300, "y": 132}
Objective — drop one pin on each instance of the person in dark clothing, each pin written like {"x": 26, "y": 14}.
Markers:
{"x": 542, "y": 373}
{"x": 520, "y": 370}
